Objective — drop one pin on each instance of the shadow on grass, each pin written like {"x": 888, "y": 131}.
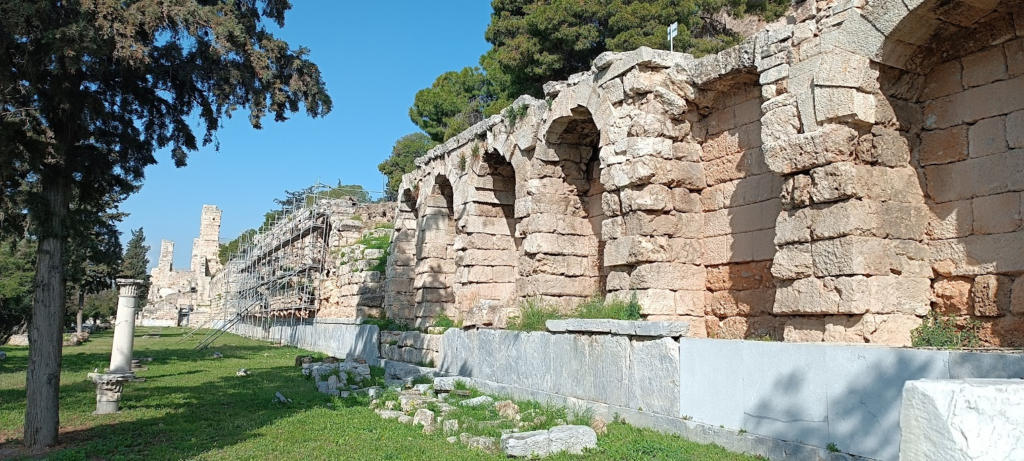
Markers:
{"x": 190, "y": 403}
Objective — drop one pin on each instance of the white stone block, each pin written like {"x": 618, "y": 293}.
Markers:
{"x": 971, "y": 419}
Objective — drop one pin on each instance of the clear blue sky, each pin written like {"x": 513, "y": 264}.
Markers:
{"x": 374, "y": 56}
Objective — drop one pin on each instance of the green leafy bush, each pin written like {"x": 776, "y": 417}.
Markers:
{"x": 942, "y": 331}
{"x": 443, "y": 321}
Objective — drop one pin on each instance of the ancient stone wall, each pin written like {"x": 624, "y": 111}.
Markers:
{"x": 835, "y": 177}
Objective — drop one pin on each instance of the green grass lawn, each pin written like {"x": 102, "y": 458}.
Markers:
{"x": 192, "y": 406}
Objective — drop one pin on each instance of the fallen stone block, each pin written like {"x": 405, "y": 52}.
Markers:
{"x": 571, "y": 439}
{"x": 477, "y": 401}
{"x": 423, "y": 417}
{"x": 447, "y": 383}
{"x": 969, "y": 419}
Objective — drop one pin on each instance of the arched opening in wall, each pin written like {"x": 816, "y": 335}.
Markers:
{"x": 486, "y": 248}
{"x": 952, "y": 75}
{"x": 563, "y": 252}
{"x": 435, "y": 258}
{"x": 735, "y": 217}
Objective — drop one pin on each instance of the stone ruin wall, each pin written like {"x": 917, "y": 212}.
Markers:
{"x": 172, "y": 290}
{"x": 349, "y": 289}
{"x": 835, "y": 177}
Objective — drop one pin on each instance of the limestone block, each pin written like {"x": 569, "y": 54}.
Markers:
{"x": 668, "y": 276}
{"x": 746, "y": 303}
{"x": 996, "y": 214}
{"x": 805, "y": 296}
{"x": 550, "y": 223}
{"x": 851, "y": 255}
{"x": 611, "y": 204}
{"x": 850, "y": 217}
{"x": 781, "y": 123}
{"x": 834, "y": 182}
{"x": 750, "y": 246}
{"x": 686, "y": 225}
{"x": 748, "y": 218}
{"x": 744, "y": 191}
{"x": 721, "y": 145}
{"x": 685, "y": 201}
{"x": 793, "y": 262}
{"x": 988, "y": 137}
{"x": 832, "y": 143}
{"x": 687, "y": 151}
{"x": 796, "y": 191}
{"x": 653, "y": 197}
{"x": 943, "y": 80}
{"x": 553, "y": 285}
{"x": 979, "y": 254}
{"x": 1017, "y": 297}
{"x": 984, "y": 67}
{"x": 953, "y": 295}
{"x": 743, "y": 276}
{"x": 890, "y": 148}
{"x": 841, "y": 69}
{"x": 976, "y": 177}
{"x": 970, "y": 419}
{"x": 904, "y": 220}
{"x": 572, "y": 439}
{"x": 1015, "y": 50}
{"x": 1015, "y": 128}
{"x": 656, "y": 302}
{"x": 750, "y": 162}
{"x": 560, "y": 245}
{"x": 613, "y": 228}
{"x": 950, "y": 220}
{"x": 944, "y": 146}
{"x": 572, "y": 266}
{"x": 991, "y": 295}
{"x": 976, "y": 103}
{"x": 634, "y": 249}
{"x": 843, "y": 104}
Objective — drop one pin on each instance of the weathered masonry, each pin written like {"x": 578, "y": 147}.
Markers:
{"x": 836, "y": 177}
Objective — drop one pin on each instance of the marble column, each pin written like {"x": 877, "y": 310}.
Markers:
{"x": 124, "y": 326}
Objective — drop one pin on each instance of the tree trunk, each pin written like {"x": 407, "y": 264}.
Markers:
{"x": 42, "y": 383}
{"x": 81, "y": 308}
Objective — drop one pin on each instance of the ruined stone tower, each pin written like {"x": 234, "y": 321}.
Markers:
{"x": 175, "y": 296}
{"x": 205, "y": 249}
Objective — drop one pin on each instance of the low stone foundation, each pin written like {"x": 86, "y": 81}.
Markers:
{"x": 411, "y": 347}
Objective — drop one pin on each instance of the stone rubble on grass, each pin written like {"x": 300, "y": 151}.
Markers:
{"x": 18, "y": 340}
{"x": 331, "y": 376}
{"x": 242, "y": 372}
{"x": 450, "y": 426}
{"x": 507, "y": 409}
{"x": 423, "y": 417}
{"x": 390, "y": 414}
{"x": 217, "y": 355}
{"x": 405, "y": 419}
{"x": 477, "y": 401}
{"x": 488, "y": 444}
{"x": 447, "y": 383}
{"x": 3, "y": 355}
{"x": 421, "y": 388}
{"x": 571, "y": 439}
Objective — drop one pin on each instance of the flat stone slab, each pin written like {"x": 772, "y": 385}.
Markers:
{"x": 962, "y": 419}
{"x": 571, "y": 439}
{"x": 477, "y": 401}
{"x": 620, "y": 327}
{"x": 447, "y": 383}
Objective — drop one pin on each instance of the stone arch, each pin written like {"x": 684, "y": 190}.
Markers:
{"x": 487, "y": 247}
{"x": 562, "y": 251}
{"x": 952, "y": 74}
{"x": 434, "y": 263}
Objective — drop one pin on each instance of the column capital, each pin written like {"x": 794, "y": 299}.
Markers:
{"x": 128, "y": 287}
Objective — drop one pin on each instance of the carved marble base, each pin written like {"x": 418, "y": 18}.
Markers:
{"x": 109, "y": 387}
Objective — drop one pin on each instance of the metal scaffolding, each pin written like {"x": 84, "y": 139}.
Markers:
{"x": 277, "y": 271}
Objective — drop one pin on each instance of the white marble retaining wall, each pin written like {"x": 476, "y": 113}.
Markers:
{"x": 337, "y": 339}
{"x": 618, "y": 371}
{"x": 817, "y": 394}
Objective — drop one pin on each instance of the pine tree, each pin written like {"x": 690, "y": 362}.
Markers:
{"x": 89, "y": 91}
{"x": 135, "y": 263}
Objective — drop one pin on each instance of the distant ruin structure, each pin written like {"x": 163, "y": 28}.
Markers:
{"x": 178, "y": 297}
